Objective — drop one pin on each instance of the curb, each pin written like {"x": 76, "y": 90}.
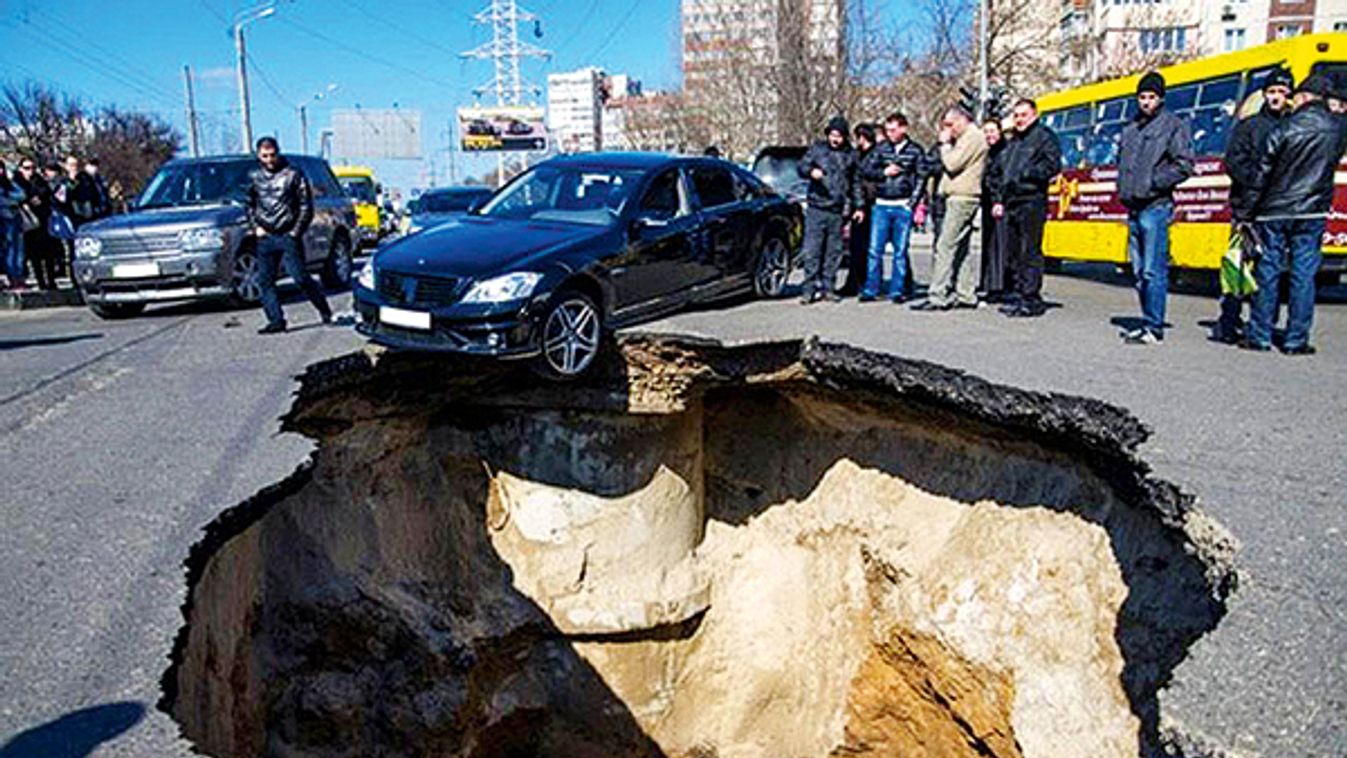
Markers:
{"x": 33, "y": 299}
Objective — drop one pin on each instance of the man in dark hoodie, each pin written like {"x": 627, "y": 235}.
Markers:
{"x": 280, "y": 208}
{"x": 1155, "y": 155}
{"x": 1294, "y": 185}
{"x": 1241, "y": 161}
{"x": 830, "y": 167}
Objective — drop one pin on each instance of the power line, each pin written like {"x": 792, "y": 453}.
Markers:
{"x": 266, "y": 81}
{"x": 581, "y": 28}
{"x": 126, "y": 68}
{"x": 362, "y": 54}
{"x": 402, "y": 29}
{"x": 631, "y": 11}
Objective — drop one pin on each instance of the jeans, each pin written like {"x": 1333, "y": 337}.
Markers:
{"x": 273, "y": 252}
{"x": 822, "y": 250}
{"x": 11, "y": 241}
{"x": 1148, "y": 250}
{"x": 889, "y": 224}
{"x": 1301, "y": 240}
{"x": 952, "y": 278}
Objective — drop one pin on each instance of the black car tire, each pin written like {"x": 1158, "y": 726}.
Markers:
{"x": 772, "y": 269}
{"x": 571, "y": 336}
{"x": 113, "y": 311}
{"x": 245, "y": 283}
{"x": 338, "y": 267}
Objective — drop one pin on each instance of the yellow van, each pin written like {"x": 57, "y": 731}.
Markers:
{"x": 360, "y": 186}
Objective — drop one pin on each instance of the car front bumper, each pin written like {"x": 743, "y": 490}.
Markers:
{"x": 151, "y": 279}
{"x": 489, "y": 332}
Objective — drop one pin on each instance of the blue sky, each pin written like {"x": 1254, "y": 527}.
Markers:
{"x": 403, "y": 52}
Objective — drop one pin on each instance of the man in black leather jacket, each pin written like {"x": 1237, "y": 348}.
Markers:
{"x": 1027, "y": 167}
{"x": 280, "y": 209}
{"x": 830, "y": 167}
{"x": 896, "y": 168}
{"x": 1241, "y": 162}
{"x": 1155, "y": 155}
{"x": 1294, "y": 188}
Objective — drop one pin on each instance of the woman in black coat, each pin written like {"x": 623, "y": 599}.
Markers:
{"x": 997, "y": 277}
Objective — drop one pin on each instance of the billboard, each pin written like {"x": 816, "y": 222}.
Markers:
{"x": 366, "y": 134}
{"x": 504, "y": 127}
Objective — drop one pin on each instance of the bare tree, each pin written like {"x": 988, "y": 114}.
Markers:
{"x": 41, "y": 123}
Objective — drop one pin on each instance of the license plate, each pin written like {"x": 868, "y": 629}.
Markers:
{"x": 406, "y": 319}
{"x": 135, "y": 270}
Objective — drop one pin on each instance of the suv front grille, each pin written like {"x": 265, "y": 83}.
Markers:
{"x": 141, "y": 244}
{"x": 404, "y": 289}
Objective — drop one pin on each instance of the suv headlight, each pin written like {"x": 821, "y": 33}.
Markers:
{"x": 88, "y": 247}
{"x": 201, "y": 239}
{"x": 366, "y": 276}
{"x": 503, "y": 289}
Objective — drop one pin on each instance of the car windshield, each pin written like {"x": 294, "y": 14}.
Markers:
{"x": 358, "y": 188}
{"x": 200, "y": 183}
{"x": 570, "y": 194}
{"x": 449, "y": 202}
{"x": 778, "y": 171}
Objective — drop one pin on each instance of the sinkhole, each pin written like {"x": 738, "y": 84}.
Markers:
{"x": 781, "y": 549}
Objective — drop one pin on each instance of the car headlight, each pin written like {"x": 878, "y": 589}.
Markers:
{"x": 366, "y": 276}
{"x": 88, "y": 247}
{"x": 201, "y": 239}
{"x": 503, "y": 289}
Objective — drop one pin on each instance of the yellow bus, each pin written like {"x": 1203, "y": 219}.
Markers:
{"x": 1085, "y": 220}
{"x": 364, "y": 191}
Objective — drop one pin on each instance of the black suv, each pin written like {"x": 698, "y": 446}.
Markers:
{"x": 186, "y": 238}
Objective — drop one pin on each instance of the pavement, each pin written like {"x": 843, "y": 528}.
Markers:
{"x": 121, "y": 439}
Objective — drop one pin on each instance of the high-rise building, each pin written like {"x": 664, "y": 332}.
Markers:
{"x": 1090, "y": 40}
{"x": 735, "y": 53}
{"x": 574, "y": 109}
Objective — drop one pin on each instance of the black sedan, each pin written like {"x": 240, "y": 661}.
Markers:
{"x": 575, "y": 246}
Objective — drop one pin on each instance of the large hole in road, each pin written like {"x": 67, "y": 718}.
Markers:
{"x": 788, "y": 549}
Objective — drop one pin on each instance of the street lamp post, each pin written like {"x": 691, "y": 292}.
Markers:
{"x": 303, "y": 109}
{"x": 241, "y": 51}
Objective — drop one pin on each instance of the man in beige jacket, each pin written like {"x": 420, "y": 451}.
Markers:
{"x": 962, "y": 153}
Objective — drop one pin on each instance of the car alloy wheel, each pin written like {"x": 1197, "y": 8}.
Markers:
{"x": 339, "y": 265}
{"x": 246, "y": 278}
{"x": 571, "y": 336}
{"x": 773, "y": 268}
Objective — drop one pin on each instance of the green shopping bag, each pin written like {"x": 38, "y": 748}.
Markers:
{"x": 1237, "y": 265}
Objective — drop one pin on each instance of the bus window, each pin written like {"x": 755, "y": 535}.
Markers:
{"x": 1112, "y": 110}
{"x": 1257, "y": 77}
{"x": 1103, "y": 148}
{"x": 1076, "y": 118}
{"x": 1181, "y": 98}
{"x": 1219, "y": 92}
{"x": 1210, "y": 128}
{"x": 1053, "y": 120}
{"x": 1072, "y": 142}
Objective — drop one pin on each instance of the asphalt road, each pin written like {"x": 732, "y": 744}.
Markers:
{"x": 120, "y": 440}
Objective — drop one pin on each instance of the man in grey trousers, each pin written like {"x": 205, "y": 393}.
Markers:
{"x": 962, "y": 154}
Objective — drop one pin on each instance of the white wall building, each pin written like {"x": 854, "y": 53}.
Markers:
{"x": 574, "y": 110}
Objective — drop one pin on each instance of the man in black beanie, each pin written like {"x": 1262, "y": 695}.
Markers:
{"x": 1294, "y": 185}
{"x": 1247, "y": 142}
{"x": 1154, "y": 157}
{"x": 830, "y": 167}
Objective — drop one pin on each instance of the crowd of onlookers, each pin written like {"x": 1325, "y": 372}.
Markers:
{"x": 1281, "y": 161}
{"x": 40, "y": 209}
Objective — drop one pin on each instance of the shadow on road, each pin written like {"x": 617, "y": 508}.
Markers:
{"x": 76, "y": 734}
{"x": 41, "y": 341}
